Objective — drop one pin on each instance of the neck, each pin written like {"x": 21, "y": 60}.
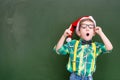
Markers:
{"x": 85, "y": 40}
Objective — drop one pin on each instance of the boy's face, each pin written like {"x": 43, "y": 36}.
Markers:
{"x": 87, "y": 30}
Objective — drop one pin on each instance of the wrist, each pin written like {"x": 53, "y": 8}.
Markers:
{"x": 64, "y": 35}
{"x": 101, "y": 33}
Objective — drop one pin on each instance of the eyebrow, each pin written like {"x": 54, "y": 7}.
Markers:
{"x": 88, "y": 24}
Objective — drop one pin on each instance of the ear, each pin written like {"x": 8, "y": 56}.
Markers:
{"x": 78, "y": 33}
{"x": 94, "y": 33}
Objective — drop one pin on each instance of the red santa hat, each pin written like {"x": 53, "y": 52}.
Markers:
{"x": 75, "y": 26}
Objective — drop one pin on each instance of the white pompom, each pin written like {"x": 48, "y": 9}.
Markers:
{"x": 68, "y": 39}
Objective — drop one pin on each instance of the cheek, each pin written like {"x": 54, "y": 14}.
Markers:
{"x": 82, "y": 30}
{"x": 92, "y": 33}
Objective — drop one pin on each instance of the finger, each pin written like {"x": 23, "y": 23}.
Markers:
{"x": 97, "y": 28}
{"x": 68, "y": 32}
{"x": 70, "y": 27}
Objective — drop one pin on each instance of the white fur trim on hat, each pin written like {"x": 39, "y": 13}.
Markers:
{"x": 68, "y": 39}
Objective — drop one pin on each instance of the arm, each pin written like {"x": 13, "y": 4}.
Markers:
{"x": 62, "y": 39}
{"x": 105, "y": 40}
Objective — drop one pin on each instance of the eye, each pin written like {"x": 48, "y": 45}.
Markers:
{"x": 90, "y": 27}
{"x": 83, "y": 27}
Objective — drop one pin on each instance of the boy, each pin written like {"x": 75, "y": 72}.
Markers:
{"x": 83, "y": 52}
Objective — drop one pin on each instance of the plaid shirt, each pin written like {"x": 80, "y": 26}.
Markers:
{"x": 84, "y": 56}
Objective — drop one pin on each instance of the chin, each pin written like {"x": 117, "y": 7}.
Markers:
{"x": 87, "y": 39}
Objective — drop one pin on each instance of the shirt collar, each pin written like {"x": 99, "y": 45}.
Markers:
{"x": 83, "y": 42}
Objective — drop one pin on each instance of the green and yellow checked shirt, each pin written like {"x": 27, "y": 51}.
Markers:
{"x": 85, "y": 58}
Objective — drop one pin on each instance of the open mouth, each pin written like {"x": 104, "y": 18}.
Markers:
{"x": 87, "y": 34}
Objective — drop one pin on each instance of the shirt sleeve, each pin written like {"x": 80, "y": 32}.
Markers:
{"x": 65, "y": 49}
{"x": 101, "y": 49}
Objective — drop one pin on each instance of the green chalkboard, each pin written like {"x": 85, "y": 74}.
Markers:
{"x": 29, "y": 29}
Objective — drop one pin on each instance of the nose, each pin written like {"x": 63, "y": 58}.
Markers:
{"x": 87, "y": 28}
